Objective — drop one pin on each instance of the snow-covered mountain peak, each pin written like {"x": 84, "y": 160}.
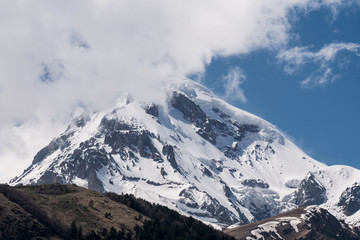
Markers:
{"x": 190, "y": 151}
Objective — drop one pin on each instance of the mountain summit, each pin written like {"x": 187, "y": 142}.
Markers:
{"x": 195, "y": 153}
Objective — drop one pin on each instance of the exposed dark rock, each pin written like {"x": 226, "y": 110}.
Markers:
{"x": 206, "y": 172}
{"x": 109, "y": 125}
{"x": 137, "y": 141}
{"x": 227, "y": 191}
{"x": 315, "y": 223}
{"x": 220, "y": 113}
{"x": 94, "y": 183}
{"x": 146, "y": 148}
{"x": 168, "y": 150}
{"x": 216, "y": 166}
{"x": 188, "y": 200}
{"x": 58, "y": 143}
{"x": 310, "y": 192}
{"x": 210, "y": 129}
{"x": 163, "y": 172}
{"x": 212, "y": 207}
{"x": 78, "y": 122}
{"x": 350, "y": 199}
{"x": 50, "y": 177}
{"x": 153, "y": 110}
{"x": 213, "y": 128}
{"x": 85, "y": 159}
{"x": 325, "y": 226}
{"x": 191, "y": 111}
{"x": 255, "y": 183}
{"x": 218, "y": 211}
{"x": 208, "y": 135}
{"x": 232, "y": 153}
{"x": 153, "y": 183}
{"x": 241, "y": 130}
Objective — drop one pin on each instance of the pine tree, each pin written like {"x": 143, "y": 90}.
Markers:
{"x": 73, "y": 230}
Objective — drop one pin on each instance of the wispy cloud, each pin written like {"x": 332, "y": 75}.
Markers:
{"x": 297, "y": 57}
{"x": 232, "y": 84}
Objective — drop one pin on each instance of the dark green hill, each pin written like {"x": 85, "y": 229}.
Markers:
{"x": 69, "y": 212}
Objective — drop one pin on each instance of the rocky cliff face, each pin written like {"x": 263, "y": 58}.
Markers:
{"x": 350, "y": 199}
{"x": 310, "y": 192}
{"x": 302, "y": 223}
{"x": 191, "y": 152}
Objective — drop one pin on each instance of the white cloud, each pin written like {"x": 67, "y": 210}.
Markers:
{"x": 295, "y": 58}
{"x": 88, "y": 52}
{"x": 232, "y": 84}
{"x": 319, "y": 78}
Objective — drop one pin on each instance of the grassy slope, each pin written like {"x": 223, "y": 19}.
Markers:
{"x": 87, "y": 208}
{"x": 16, "y": 222}
{"x": 48, "y": 211}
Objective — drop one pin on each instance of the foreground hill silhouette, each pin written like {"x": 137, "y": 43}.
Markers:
{"x": 57, "y": 211}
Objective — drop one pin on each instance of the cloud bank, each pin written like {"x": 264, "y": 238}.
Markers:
{"x": 63, "y": 56}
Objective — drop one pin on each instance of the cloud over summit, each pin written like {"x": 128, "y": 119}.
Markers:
{"x": 58, "y": 57}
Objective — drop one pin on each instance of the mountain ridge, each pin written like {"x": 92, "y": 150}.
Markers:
{"x": 192, "y": 152}
{"x": 55, "y": 211}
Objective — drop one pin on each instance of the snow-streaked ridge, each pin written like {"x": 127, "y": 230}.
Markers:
{"x": 245, "y": 174}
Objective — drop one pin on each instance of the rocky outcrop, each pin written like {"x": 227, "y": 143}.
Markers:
{"x": 207, "y": 207}
{"x": 56, "y": 144}
{"x": 168, "y": 150}
{"x": 302, "y": 223}
{"x": 255, "y": 183}
{"x": 190, "y": 110}
{"x": 310, "y": 192}
{"x": 350, "y": 199}
{"x": 121, "y": 136}
{"x": 153, "y": 110}
{"x": 50, "y": 177}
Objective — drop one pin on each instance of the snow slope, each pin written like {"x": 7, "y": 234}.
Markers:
{"x": 192, "y": 152}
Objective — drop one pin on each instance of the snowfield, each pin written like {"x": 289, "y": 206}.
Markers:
{"x": 191, "y": 152}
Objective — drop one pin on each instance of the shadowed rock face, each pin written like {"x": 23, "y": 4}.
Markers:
{"x": 325, "y": 226}
{"x": 168, "y": 150}
{"x": 61, "y": 142}
{"x": 56, "y": 144}
{"x": 350, "y": 199}
{"x": 302, "y": 223}
{"x": 310, "y": 192}
{"x": 50, "y": 177}
{"x": 210, "y": 129}
{"x": 153, "y": 110}
{"x": 191, "y": 111}
{"x": 83, "y": 164}
{"x": 211, "y": 207}
{"x": 255, "y": 183}
{"x": 120, "y": 135}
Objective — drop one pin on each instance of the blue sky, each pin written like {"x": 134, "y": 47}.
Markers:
{"x": 323, "y": 120}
